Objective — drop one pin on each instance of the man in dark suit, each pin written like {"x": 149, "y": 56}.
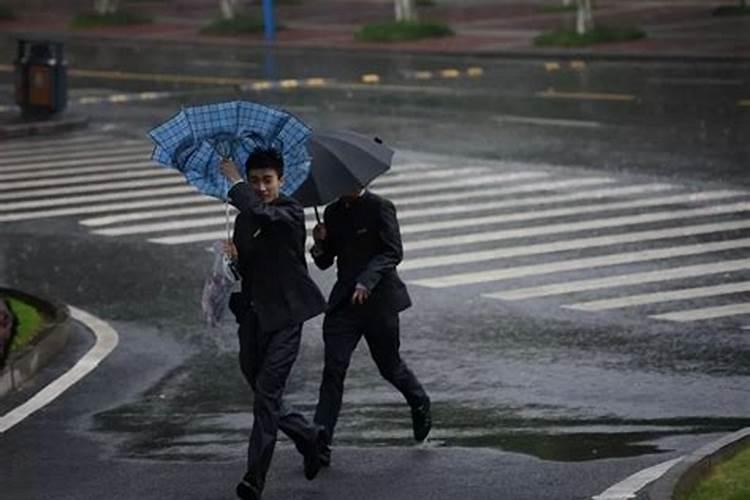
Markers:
{"x": 361, "y": 233}
{"x": 277, "y": 297}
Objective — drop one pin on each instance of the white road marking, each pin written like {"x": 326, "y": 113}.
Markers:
{"x": 66, "y": 171}
{"x": 65, "y": 150}
{"x": 35, "y": 167}
{"x": 78, "y": 179}
{"x": 77, "y": 155}
{"x": 663, "y": 296}
{"x": 555, "y": 122}
{"x": 489, "y": 275}
{"x": 34, "y": 144}
{"x": 564, "y": 245}
{"x": 397, "y": 178}
{"x": 477, "y": 180}
{"x": 215, "y": 208}
{"x": 666, "y": 274}
{"x": 104, "y": 186}
{"x": 705, "y": 313}
{"x": 465, "y": 239}
{"x": 627, "y": 488}
{"x": 106, "y": 341}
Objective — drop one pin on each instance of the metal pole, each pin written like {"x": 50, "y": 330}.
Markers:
{"x": 269, "y": 23}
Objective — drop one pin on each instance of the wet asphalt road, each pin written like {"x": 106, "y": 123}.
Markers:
{"x": 562, "y": 394}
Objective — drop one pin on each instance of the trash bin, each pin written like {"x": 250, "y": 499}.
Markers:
{"x": 41, "y": 78}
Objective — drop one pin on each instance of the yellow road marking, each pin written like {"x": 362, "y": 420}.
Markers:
{"x": 289, "y": 84}
{"x": 316, "y": 82}
{"x": 261, "y": 85}
{"x": 592, "y": 96}
{"x": 119, "y": 98}
{"x": 475, "y": 72}
{"x": 551, "y": 66}
{"x": 370, "y": 78}
{"x": 744, "y": 102}
{"x": 423, "y": 75}
{"x": 450, "y": 73}
{"x": 579, "y": 65}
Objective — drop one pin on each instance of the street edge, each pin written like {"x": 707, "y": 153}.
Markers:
{"x": 21, "y": 128}
{"x": 682, "y": 478}
{"x": 533, "y": 54}
{"x": 22, "y": 366}
{"x": 107, "y": 340}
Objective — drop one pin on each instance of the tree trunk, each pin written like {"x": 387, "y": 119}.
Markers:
{"x": 103, "y": 7}
{"x": 584, "y": 17}
{"x": 228, "y": 8}
{"x": 406, "y": 10}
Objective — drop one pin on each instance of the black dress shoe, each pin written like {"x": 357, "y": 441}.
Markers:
{"x": 421, "y": 421}
{"x": 313, "y": 455}
{"x": 248, "y": 490}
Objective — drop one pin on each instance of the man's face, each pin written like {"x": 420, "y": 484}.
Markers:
{"x": 266, "y": 183}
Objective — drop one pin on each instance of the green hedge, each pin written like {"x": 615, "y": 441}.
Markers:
{"x": 729, "y": 480}
{"x": 240, "y": 25}
{"x": 600, "y": 34}
{"x": 122, "y": 18}
{"x": 29, "y": 323}
{"x": 395, "y": 31}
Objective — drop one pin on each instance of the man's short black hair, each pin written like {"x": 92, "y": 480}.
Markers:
{"x": 265, "y": 158}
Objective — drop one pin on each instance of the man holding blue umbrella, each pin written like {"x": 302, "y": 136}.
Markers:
{"x": 277, "y": 296}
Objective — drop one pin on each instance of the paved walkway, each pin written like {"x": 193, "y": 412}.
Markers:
{"x": 675, "y": 29}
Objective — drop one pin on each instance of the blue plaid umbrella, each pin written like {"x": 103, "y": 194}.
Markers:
{"x": 196, "y": 139}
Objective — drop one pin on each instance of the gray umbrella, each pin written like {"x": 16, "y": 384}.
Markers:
{"x": 342, "y": 163}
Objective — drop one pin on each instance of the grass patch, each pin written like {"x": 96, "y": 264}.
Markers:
{"x": 600, "y": 34}
{"x": 240, "y": 25}
{"x": 396, "y": 31}
{"x": 727, "y": 481}
{"x": 93, "y": 20}
{"x": 6, "y": 14}
{"x": 29, "y": 322}
{"x": 557, "y": 9}
{"x": 732, "y": 10}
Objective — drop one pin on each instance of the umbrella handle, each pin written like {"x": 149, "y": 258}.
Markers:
{"x": 317, "y": 215}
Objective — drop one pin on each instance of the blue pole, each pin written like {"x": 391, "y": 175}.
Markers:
{"x": 269, "y": 23}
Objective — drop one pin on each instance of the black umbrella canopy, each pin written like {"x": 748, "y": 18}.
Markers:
{"x": 343, "y": 162}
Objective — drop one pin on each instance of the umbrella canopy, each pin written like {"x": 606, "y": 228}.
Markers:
{"x": 195, "y": 140}
{"x": 342, "y": 163}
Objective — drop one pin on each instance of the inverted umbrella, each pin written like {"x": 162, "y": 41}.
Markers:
{"x": 343, "y": 162}
{"x": 197, "y": 138}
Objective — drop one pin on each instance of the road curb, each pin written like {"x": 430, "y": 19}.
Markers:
{"x": 23, "y": 365}
{"x": 682, "y": 478}
{"x": 15, "y": 126}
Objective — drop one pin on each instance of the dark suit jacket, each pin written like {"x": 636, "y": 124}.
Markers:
{"x": 364, "y": 238}
{"x": 270, "y": 241}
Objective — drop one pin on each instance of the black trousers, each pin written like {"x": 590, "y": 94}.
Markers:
{"x": 266, "y": 359}
{"x": 342, "y": 330}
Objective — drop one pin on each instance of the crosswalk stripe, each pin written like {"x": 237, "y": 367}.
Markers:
{"x": 188, "y": 197}
{"x": 486, "y": 276}
{"x": 105, "y": 186}
{"x": 534, "y": 201}
{"x": 109, "y": 160}
{"x": 640, "y": 278}
{"x": 576, "y": 210}
{"x": 477, "y": 180}
{"x": 658, "y": 297}
{"x": 67, "y": 149}
{"x": 608, "y": 222}
{"x": 215, "y": 208}
{"x": 190, "y": 238}
{"x": 89, "y": 198}
{"x": 706, "y": 313}
{"x": 22, "y": 146}
{"x": 138, "y": 148}
{"x": 395, "y": 178}
{"x": 77, "y": 179}
{"x": 66, "y": 171}
{"x": 564, "y": 245}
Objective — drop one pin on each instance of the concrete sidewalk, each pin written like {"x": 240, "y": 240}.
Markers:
{"x": 675, "y": 29}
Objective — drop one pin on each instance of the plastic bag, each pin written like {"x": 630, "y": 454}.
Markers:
{"x": 218, "y": 286}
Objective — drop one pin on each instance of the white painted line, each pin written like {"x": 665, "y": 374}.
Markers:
{"x": 77, "y": 155}
{"x": 77, "y": 200}
{"x": 663, "y": 296}
{"x": 191, "y": 198}
{"x": 554, "y": 122}
{"x": 66, "y": 171}
{"x": 486, "y": 236}
{"x": 77, "y": 179}
{"x": 102, "y": 145}
{"x": 215, "y": 208}
{"x": 159, "y": 227}
{"x": 190, "y": 238}
{"x": 565, "y": 245}
{"x": 92, "y": 188}
{"x": 395, "y": 178}
{"x": 622, "y": 280}
{"x": 515, "y": 272}
{"x": 106, "y": 341}
{"x": 108, "y": 160}
{"x": 532, "y": 201}
{"x": 705, "y": 313}
{"x": 24, "y": 145}
{"x": 477, "y": 180}
{"x": 576, "y": 210}
{"x": 627, "y": 488}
